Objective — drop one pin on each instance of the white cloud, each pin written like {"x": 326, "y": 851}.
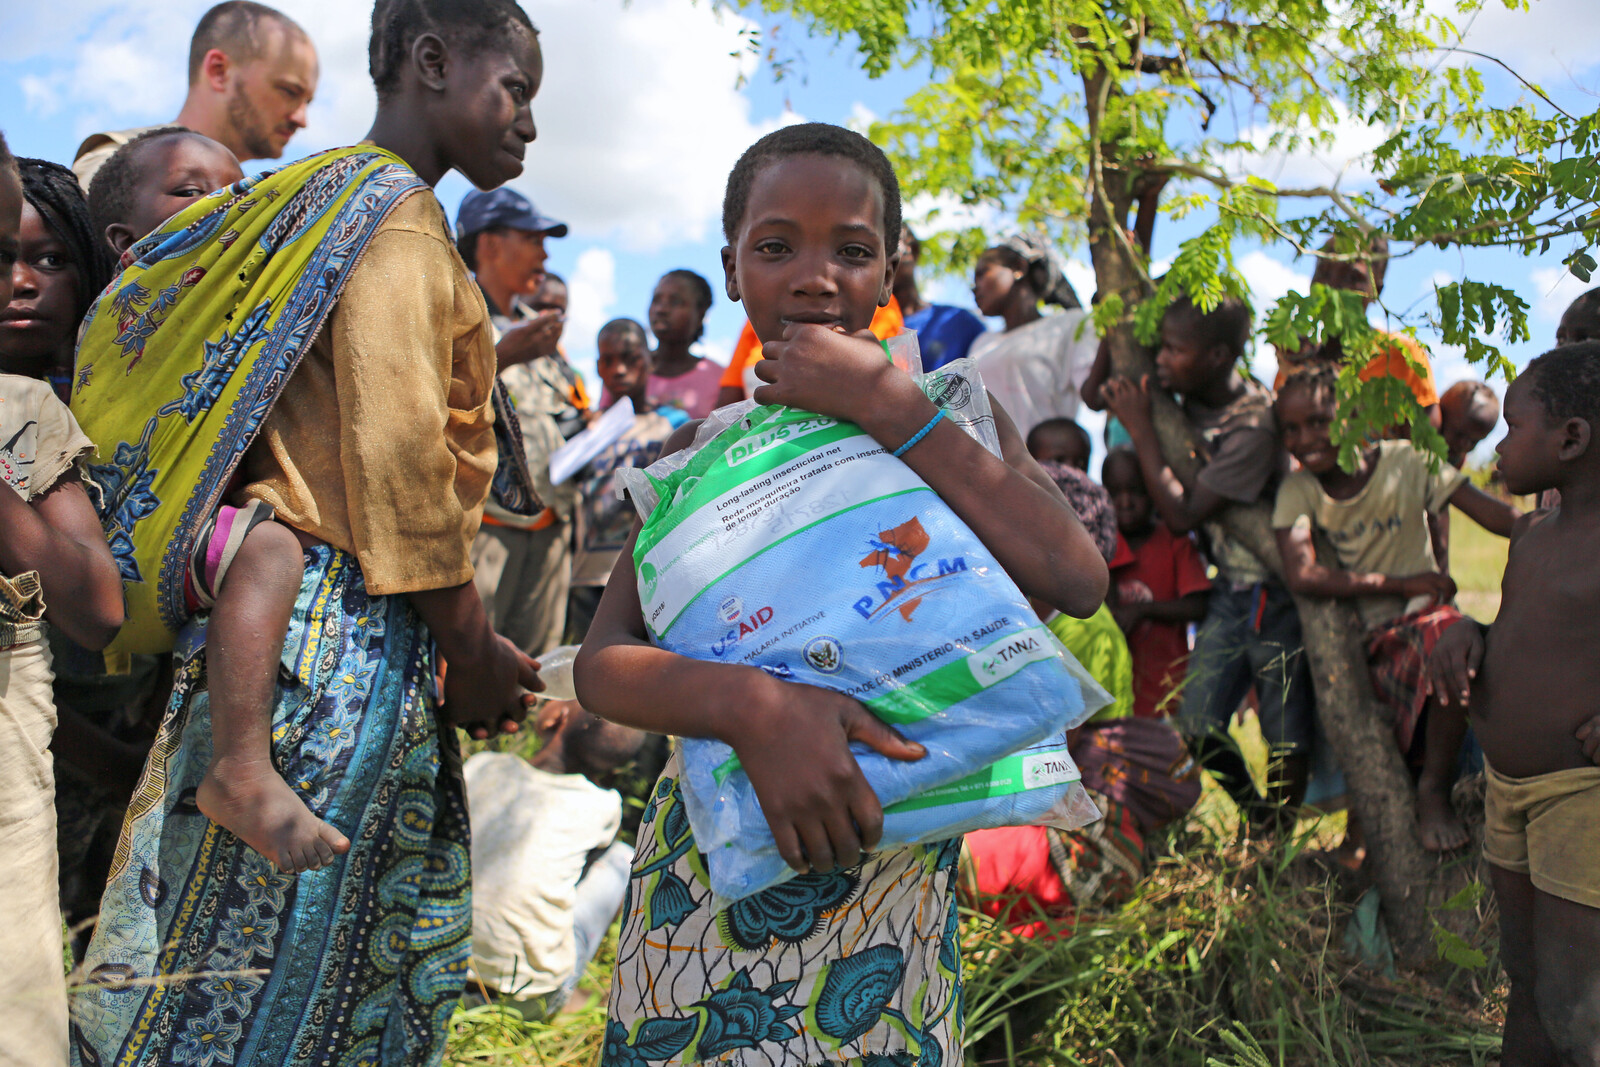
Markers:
{"x": 716, "y": 349}
{"x": 640, "y": 116}
{"x": 1340, "y": 156}
{"x": 1081, "y": 275}
{"x": 1270, "y": 280}
{"x": 591, "y": 294}
{"x": 1553, "y": 289}
{"x": 1553, "y": 38}
{"x": 39, "y": 96}
{"x": 861, "y": 118}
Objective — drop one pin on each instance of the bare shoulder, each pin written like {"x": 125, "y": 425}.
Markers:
{"x": 1528, "y": 521}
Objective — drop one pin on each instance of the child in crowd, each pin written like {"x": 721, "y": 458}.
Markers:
{"x": 1581, "y": 320}
{"x": 548, "y": 873}
{"x": 944, "y": 333}
{"x": 246, "y": 569}
{"x": 1251, "y": 632}
{"x": 1468, "y": 412}
{"x": 522, "y": 565}
{"x": 1061, "y": 441}
{"x": 604, "y": 521}
{"x": 54, "y": 564}
{"x": 61, "y": 268}
{"x": 1397, "y": 356}
{"x": 679, "y": 379}
{"x": 1528, "y": 681}
{"x": 1376, "y": 518}
{"x": 1158, "y": 587}
{"x": 858, "y": 957}
{"x": 152, "y": 178}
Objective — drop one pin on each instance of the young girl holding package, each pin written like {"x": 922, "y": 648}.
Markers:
{"x": 1376, "y": 518}
{"x": 856, "y": 958}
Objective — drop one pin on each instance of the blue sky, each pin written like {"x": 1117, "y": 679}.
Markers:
{"x": 646, "y": 105}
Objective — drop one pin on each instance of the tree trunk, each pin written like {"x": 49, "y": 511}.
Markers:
{"x": 1381, "y": 794}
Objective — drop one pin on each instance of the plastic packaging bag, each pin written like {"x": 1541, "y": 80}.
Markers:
{"x": 795, "y": 543}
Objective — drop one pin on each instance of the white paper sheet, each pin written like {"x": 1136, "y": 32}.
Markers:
{"x": 577, "y": 453}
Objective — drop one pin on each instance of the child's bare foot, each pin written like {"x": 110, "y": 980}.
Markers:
{"x": 253, "y": 801}
{"x": 1437, "y": 822}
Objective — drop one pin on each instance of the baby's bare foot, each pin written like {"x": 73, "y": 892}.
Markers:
{"x": 1441, "y": 830}
{"x": 253, "y": 801}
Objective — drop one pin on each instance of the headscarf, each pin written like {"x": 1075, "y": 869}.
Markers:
{"x": 1091, "y": 502}
{"x": 1045, "y": 271}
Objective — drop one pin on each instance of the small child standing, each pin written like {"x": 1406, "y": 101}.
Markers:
{"x": 246, "y": 569}
{"x": 858, "y": 957}
{"x": 1060, "y": 441}
{"x": 604, "y": 521}
{"x": 1528, "y": 681}
{"x": 1468, "y": 412}
{"x": 1376, "y": 518}
{"x": 1158, "y": 587}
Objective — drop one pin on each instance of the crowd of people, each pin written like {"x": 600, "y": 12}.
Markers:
{"x": 298, "y": 481}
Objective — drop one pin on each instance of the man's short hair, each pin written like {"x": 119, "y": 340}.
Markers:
{"x": 234, "y": 27}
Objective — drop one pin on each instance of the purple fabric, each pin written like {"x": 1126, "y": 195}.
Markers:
{"x": 1090, "y": 501}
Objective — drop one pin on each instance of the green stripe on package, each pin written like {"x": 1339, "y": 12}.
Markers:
{"x": 794, "y": 543}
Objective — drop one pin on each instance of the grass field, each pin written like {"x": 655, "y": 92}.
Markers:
{"x": 1477, "y": 559}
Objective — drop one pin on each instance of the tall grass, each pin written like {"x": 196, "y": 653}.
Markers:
{"x": 1228, "y": 956}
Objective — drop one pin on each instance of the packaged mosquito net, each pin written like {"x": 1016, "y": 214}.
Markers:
{"x": 795, "y": 543}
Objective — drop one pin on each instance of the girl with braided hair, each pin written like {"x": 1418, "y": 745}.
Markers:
{"x": 61, "y": 268}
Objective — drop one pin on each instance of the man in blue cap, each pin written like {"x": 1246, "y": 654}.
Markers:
{"x": 501, "y": 236}
{"x": 524, "y": 566}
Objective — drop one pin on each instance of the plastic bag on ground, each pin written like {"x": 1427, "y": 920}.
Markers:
{"x": 793, "y": 542}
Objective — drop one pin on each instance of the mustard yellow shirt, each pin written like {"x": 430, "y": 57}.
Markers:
{"x": 382, "y": 443}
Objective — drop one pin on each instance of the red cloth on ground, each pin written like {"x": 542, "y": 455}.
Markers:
{"x": 1016, "y": 881}
{"x": 1166, "y": 567}
{"x": 1397, "y": 660}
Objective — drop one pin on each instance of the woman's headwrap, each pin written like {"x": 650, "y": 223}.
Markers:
{"x": 1046, "y": 272}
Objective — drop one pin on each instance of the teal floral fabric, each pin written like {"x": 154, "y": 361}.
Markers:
{"x": 854, "y": 966}
{"x": 207, "y": 956}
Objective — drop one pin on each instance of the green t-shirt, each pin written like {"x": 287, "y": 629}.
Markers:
{"x": 1381, "y": 530}
{"x": 1098, "y": 644}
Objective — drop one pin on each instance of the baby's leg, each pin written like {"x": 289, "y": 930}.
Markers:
{"x": 1525, "y": 1043}
{"x": 1437, "y": 823}
{"x": 241, "y": 791}
{"x": 1566, "y": 940}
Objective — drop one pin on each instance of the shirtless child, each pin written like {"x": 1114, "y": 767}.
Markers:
{"x": 1529, "y": 681}
{"x": 246, "y": 568}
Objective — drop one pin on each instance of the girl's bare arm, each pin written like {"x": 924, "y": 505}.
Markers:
{"x": 59, "y": 535}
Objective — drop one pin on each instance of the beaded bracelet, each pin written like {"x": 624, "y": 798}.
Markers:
{"x": 919, "y": 435}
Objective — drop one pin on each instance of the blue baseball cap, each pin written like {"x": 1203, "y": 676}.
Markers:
{"x": 482, "y": 210}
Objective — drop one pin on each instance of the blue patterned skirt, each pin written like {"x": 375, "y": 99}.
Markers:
{"x": 205, "y": 954}
{"x": 856, "y": 966}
